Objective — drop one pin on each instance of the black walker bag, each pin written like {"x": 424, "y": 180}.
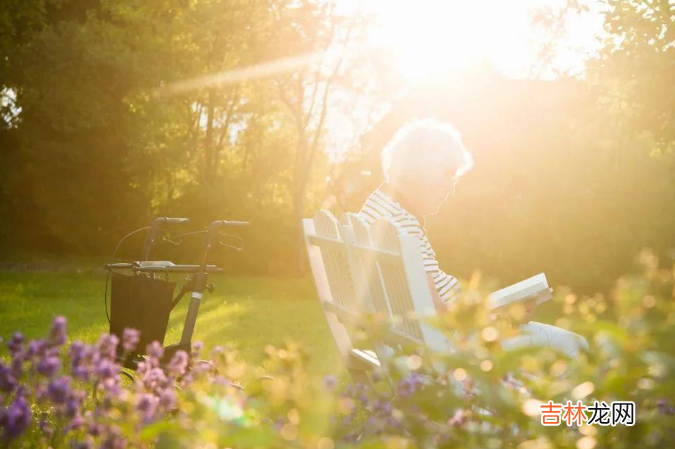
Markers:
{"x": 140, "y": 303}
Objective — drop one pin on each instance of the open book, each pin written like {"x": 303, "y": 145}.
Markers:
{"x": 534, "y": 289}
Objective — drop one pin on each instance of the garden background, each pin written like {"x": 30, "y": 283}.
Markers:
{"x": 101, "y": 131}
{"x": 114, "y": 112}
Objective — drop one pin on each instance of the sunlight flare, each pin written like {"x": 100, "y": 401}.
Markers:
{"x": 235, "y": 76}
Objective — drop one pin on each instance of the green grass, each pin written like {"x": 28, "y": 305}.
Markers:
{"x": 244, "y": 312}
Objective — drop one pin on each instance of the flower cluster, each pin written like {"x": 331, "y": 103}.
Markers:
{"x": 483, "y": 395}
{"x": 479, "y": 395}
{"x": 55, "y": 394}
{"x": 79, "y": 396}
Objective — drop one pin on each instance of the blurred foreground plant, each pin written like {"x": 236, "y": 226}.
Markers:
{"x": 631, "y": 358}
{"x": 46, "y": 388}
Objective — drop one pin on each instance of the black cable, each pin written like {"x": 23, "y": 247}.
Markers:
{"x": 238, "y": 248}
{"x": 179, "y": 237}
{"x": 168, "y": 237}
{"x": 112, "y": 258}
{"x": 105, "y": 296}
{"x": 192, "y": 232}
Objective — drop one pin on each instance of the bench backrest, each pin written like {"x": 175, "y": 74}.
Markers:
{"x": 359, "y": 268}
{"x": 341, "y": 300}
{"x": 390, "y": 260}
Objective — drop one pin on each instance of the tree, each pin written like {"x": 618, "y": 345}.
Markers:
{"x": 315, "y": 29}
{"x": 639, "y": 59}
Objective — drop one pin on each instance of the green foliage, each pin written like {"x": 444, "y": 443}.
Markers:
{"x": 563, "y": 182}
{"x": 101, "y": 148}
{"x": 637, "y": 67}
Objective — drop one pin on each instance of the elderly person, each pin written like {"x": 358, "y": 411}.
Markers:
{"x": 422, "y": 164}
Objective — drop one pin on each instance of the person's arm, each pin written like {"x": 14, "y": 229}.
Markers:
{"x": 439, "y": 304}
{"x": 413, "y": 227}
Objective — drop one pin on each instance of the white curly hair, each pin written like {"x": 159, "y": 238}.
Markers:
{"x": 424, "y": 146}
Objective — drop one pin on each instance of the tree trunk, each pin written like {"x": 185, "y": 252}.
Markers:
{"x": 208, "y": 142}
{"x": 298, "y": 207}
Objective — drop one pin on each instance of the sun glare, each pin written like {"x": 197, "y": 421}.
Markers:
{"x": 431, "y": 37}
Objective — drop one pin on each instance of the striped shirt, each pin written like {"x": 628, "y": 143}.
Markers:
{"x": 380, "y": 205}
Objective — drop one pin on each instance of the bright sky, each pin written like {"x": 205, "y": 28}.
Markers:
{"x": 431, "y": 36}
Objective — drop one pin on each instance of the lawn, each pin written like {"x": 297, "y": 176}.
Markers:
{"x": 244, "y": 312}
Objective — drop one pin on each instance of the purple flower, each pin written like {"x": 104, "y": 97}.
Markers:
{"x": 147, "y": 406}
{"x": 93, "y": 427}
{"x": 77, "y": 349}
{"x": 58, "y": 336}
{"x": 112, "y": 387}
{"x": 81, "y": 359}
{"x": 107, "y": 346}
{"x": 665, "y": 408}
{"x": 142, "y": 368}
{"x": 76, "y": 422}
{"x": 114, "y": 441}
{"x": 393, "y": 422}
{"x": 36, "y": 348}
{"x": 130, "y": 339}
{"x": 16, "y": 419}
{"x": 178, "y": 363}
{"x": 154, "y": 378}
{"x": 278, "y": 424}
{"x": 107, "y": 369}
{"x": 17, "y": 364}
{"x": 217, "y": 351}
{"x": 155, "y": 350}
{"x": 46, "y": 429}
{"x": 371, "y": 422}
{"x": 197, "y": 347}
{"x": 187, "y": 379}
{"x": 81, "y": 372}
{"x": 7, "y": 379}
{"x": 72, "y": 407}
{"x": 202, "y": 366}
{"x": 16, "y": 343}
{"x": 73, "y": 401}
{"x": 221, "y": 381}
{"x": 49, "y": 366}
{"x": 167, "y": 399}
{"x": 87, "y": 444}
{"x": 382, "y": 407}
{"x": 357, "y": 391}
{"x": 40, "y": 391}
{"x": 59, "y": 390}
{"x": 409, "y": 385}
{"x": 458, "y": 419}
{"x": 330, "y": 381}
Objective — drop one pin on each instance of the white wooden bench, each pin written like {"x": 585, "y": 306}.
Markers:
{"x": 379, "y": 269}
{"x": 356, "y": 269}
{"x": 389, "y": 263}
{"x": 341, "y": 300}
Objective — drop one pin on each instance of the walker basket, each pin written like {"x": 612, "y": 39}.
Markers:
{"x": 141, "y": 303}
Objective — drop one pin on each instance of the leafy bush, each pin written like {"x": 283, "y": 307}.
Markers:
{"x": 46, "y": 390}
